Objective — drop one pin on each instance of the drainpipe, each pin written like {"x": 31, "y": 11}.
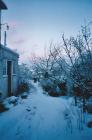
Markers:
{"x": 0, "y": 27}
{"x": 5, "y": 38}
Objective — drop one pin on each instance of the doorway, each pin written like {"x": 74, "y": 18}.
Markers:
{"x": 9, "y": 74}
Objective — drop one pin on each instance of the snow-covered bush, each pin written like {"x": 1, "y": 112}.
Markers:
{"x": 48, "y": 70}
{"x": 89, "y": 105}
{"x": 55, "y": 91}
{"x": 23, "y": 87}
{"x": 46, "y": 84}
{"x": 2, "y": 107}
{"x": 81, "y": 72}
{"x": 63, "y": 87}
{"x": 8, "y": 103}
{"x": 24, "y": 72}
{"x": 52, "y": 87}
{"x": 12, "y": 100}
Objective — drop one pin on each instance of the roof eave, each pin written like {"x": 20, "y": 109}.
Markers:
{"x": 3, "y": 5}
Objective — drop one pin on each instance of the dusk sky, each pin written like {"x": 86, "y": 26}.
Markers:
{"x": 35, "y": 23}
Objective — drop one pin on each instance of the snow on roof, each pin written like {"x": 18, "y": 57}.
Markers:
{"x": 9, "y": 50}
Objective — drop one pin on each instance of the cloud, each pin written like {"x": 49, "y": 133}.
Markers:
{"x": 14, "y": 24}
{"x": 19, "y": 41}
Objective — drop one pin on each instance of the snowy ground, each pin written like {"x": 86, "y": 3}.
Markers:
{"x": 40, "y": 117}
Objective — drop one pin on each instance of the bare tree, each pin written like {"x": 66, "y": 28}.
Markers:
{"x": 49, "y": 65}
{"x": 79, "y": 54}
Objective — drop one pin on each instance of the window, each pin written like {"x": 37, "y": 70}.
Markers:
{"x": 4, "y": 67}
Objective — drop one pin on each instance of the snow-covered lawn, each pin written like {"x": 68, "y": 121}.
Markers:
{"x": 40, "y": 117}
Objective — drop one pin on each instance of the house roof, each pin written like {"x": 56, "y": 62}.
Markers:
{"x": 9, "y": 50}
{"x": 3, "y": 5}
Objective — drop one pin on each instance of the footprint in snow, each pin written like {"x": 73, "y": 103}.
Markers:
{"x": 28, "y": 116}
{"x": 33, "y": 113}
{"x": 34, "y": 107}
{"x": 20, "y": 137}
{"x": 18, "y": 130}
{"x": 28, "y": 109}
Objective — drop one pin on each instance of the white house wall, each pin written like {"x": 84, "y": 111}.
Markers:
{"x": 6, "y": 55}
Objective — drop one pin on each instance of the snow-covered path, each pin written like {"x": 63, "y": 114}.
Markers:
{"x": 40, "y": 117}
